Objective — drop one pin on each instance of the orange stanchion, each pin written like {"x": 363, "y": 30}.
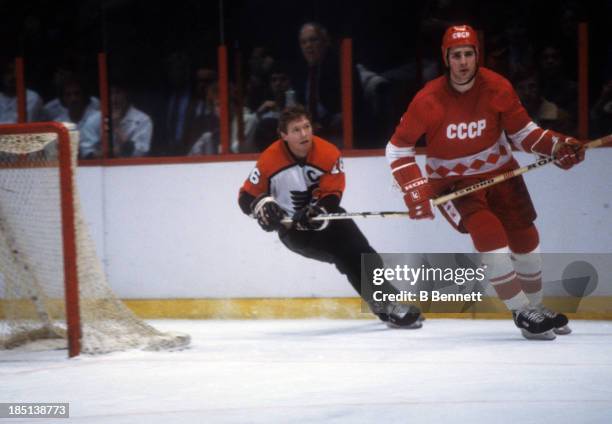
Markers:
{"x": 346, "y": 78}
{"x": 104, "y": 103}
{"x": 22, "y": 111}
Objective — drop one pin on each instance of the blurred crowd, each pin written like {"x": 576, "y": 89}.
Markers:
{"x": 163, "y": 80}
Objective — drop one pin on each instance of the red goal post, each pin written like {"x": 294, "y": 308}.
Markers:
{"x": 62, "y": 132}
{"x": 39, "y": 211}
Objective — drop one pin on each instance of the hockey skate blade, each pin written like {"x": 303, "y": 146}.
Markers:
{"x": 562, "y": 331}
{"x": 414, "y": 326}
{"x": 546, "y": 335}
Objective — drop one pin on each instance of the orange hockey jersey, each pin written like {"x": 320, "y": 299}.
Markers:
{"x": 296, "y": 183}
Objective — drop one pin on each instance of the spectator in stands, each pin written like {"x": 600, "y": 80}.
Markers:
{"x": 209, "y": 140}
{"x": 8, "y": 97}
{"x": 510, "y": 52}
{"x": 132, "y": 129}
{"x": 280, "y": 94}
{"x": 199, "y": 110}
{"x": 521, "y": 52}
{"x": 322, "y": 100}
{"x": 179, "y": 96}
{"x": 261, "y": 62}
{"x": 73, "y": 104}
{"x": 556, "y": 86}
{"x": 204, "y": 78}
{"x": 498, "y": 54}
{"x": 205, "y": 134}
{"x": 543, "y": 112}
{"x": 90, "y": 146}
{"x": 601, "y": 114}
{"x": 318, "y": 85}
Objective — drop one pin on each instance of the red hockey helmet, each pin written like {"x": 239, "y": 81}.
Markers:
{"x": 459, "y": 35}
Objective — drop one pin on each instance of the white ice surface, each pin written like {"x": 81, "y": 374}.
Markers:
{"x": 311, "y": 371}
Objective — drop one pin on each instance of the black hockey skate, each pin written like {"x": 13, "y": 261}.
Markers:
{"x": 559, "y": 320}
{"x": 401, "y": 316}
{"x": 534, "y": 324}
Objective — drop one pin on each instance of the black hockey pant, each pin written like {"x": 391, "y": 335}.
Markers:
{"x": 341, "y": 244}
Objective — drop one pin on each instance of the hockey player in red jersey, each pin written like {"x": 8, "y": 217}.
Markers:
{"x": 469, "y": 117}
{"x": 302, "y": 176}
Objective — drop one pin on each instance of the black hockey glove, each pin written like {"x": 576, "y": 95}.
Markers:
{"x": 268, "y": 213}
{"x": 302, "y": 219}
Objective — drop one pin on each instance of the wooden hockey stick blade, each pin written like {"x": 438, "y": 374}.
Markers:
{"x": 455, "y": 195}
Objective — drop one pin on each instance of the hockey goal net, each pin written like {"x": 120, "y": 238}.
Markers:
{"x": 52, "y": 286}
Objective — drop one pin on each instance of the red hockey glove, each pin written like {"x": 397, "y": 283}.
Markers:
{"x": 417, "y": 198}
{"x": 417, "y": 191}
{"x": 568, "y": 152}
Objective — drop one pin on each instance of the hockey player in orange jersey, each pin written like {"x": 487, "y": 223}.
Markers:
{"x": 469, "y": 117}
{"x": 302, "y": 176}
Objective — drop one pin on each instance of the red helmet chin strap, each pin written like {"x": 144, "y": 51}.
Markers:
{"x": 468, "y": 81}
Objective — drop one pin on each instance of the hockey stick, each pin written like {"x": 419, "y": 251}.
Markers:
{"x": 456, "y": 194}
{"x": 511, "y": 174}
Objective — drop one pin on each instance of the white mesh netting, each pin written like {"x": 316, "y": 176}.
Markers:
{"x": 32, "y": 303}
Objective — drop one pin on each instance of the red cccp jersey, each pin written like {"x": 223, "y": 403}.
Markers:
{"x": 466, "y": 133}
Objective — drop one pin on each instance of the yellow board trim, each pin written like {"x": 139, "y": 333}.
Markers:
{"x": 599, "y": 308}
{"x": 335, "y": 308}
